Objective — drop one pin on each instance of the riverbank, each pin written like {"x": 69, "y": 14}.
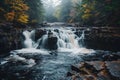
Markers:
{"x": 92, "y": 70}
{"x": 63, "y": 66}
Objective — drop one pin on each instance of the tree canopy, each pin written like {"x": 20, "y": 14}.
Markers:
{"x": 86, "y": 12}
{"x": 21, "y": 11}
{"x": 89, "y": 12}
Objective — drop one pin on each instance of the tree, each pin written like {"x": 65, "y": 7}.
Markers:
{"x": 57, "y": 13}
{"x": 98, "y": 12}
{"x": 3, "y": 8}
{"x": 66, "y": 6}
{"x": 65, "y": 11}
{"x": 50, "y": 10}
{"x": 17, "y": 11}
{"x": 36, "y": 11}
{"x": 85, "y": 11}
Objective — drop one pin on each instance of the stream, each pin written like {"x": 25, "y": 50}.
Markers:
{"x": 48, "y": 58}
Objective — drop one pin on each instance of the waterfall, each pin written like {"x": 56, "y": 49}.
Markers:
{"x": 81, "y": 39}
{"x": 43, "y": 41}
{"x": 66, "y": 39}
{"x": 56, "y": 39}
{"x": 29, "y": 37}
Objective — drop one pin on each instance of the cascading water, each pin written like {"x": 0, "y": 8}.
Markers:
{"x": 28, "y": 42}
{"x": 60, "y": 40}
{"x": 81, "y": 39}
{"x": 51, "y": 67}
{"x": 66, "y": 39}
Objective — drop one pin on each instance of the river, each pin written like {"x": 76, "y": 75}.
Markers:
{"x": 48, "y": 58}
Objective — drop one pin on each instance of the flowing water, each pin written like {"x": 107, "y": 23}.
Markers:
{"x": 52, "y": 64}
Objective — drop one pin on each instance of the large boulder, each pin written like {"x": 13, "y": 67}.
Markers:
{"x": 52, "y": 41}
{"x": 39, "y": 33}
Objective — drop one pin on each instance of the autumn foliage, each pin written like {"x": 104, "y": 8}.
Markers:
{"x": 98, "y": 12}
{"x": 23, "y": 18}
{"x": 16, "y": 11}
{"x": 10, "y": 16}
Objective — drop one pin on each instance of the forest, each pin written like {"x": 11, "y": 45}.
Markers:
{"x": 59, "y": 39}
{"x": 21, "y": 11}
{"x": 84, "y": 12}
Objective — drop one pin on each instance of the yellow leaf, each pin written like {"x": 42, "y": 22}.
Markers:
{"x": 23, "y": 18}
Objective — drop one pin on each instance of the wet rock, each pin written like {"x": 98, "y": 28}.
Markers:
{"x": 10, "y": 40}
{"x": 52, "y": 41}
{"x": 70, "y": 74}
{"x": 77, "y": 70}
{"x": 37, "y": 57}
{"x": 53, "y": 53}
{"x": 97, "y": 70}
{"x": 39, "y": 33}
{"x": 101, "y": 55}
{"x": 11, "y": 71}
{"x": 56, "y": 30}
{"x": 105, "y": 38}
{"x": 110, "y": 57}
{"x": 20, "y": 61}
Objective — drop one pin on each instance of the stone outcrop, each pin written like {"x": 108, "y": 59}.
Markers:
{"x": 94, "y": 70}
{"x": 52, "y": 41}
{"x": 10, "y": 38}
{"x": 39, "y": 33}
{"x": 105, "y": 38}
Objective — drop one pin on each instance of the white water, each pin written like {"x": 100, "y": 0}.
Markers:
{"x": 67, "y": 42}
{"x": 28, "y": 42}
{"x": 51, "y": 67}
{"x": 66, "y": 39}
{"x": 30, "y": 50}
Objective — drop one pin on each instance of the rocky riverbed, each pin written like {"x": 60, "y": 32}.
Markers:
{"x": 100, "y": 46}
{"x": 61, "y": 66}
